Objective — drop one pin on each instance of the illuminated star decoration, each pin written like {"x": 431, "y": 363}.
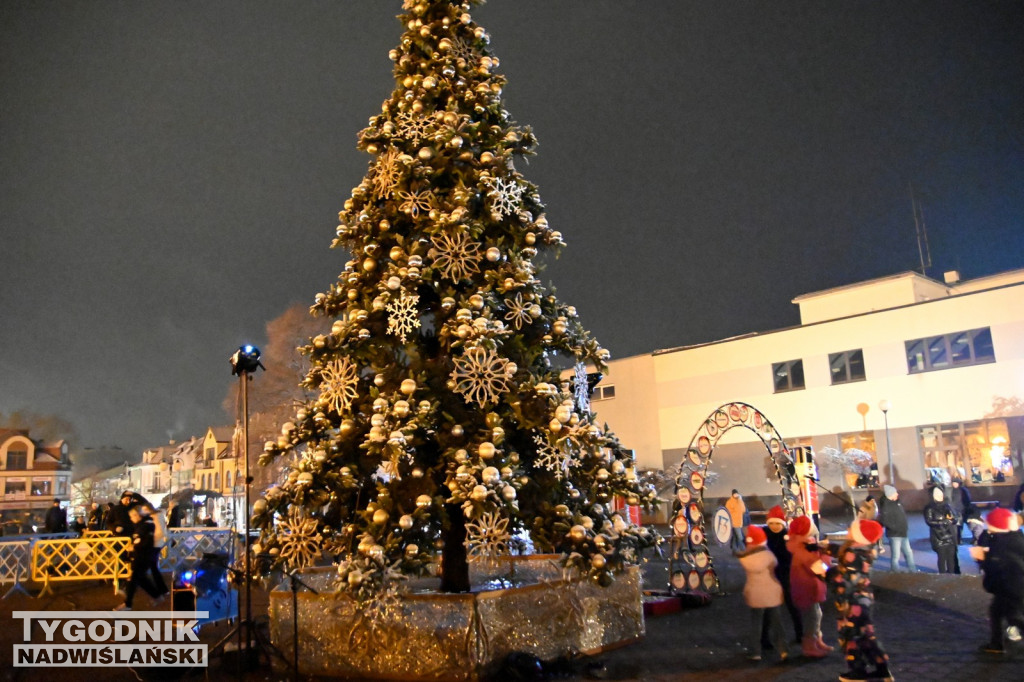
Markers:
{"x": 403, "y": 317}
{"x": 480, "y": 375}
{"x": 340, "y": 378}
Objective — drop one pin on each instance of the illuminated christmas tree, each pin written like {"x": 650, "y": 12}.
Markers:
{"x": 443, "y": 426}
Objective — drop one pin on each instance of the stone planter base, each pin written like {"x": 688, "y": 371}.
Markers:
{"x": 434, "y": 636}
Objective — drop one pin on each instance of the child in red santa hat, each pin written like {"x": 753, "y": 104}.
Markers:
{"x": 854, "y": 597}
{"x": 777, "y": 530}
{"x": 1000, "y": 553}
{"x": 807, "y": 583}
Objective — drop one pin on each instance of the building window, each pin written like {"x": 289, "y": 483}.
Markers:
{"x": 846, "y": 366}
{"x": 860, "y": 451}
{"x": 977, "y": 453}
{"x": 17, "y": 460}
{"x": 788, "y": 376}
{"x": 603, "y": 393}
{"x": 958, "y": 349}
{"x": 42, "y": 486}
{"x": 211, "y": 453}
{"x": 14, "y": 487}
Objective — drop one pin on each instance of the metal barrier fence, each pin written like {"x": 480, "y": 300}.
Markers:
{"x": 99, "y": 555}
{"x": 188, "y": 545}
{"x": 92, "y": 558}
{"x": 14, "y": 556}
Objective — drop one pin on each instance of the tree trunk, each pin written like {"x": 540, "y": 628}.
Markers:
{"x": 454, "y": 562}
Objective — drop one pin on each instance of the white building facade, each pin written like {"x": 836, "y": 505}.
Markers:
{"x": 946, "y": 360}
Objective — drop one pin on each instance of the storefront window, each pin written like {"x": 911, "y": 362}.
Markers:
{"x": 978, "y": 452}
{"x": 860, "y": 449}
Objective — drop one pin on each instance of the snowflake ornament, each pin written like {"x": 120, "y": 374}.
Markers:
{"x": 301, "y": 544}
{"x": 461, "y": 49}
{"x": 487, "y": 537}
{"x": 480, "y": 375}
{"x": 403, "y": 317}
{"x": 581, "y": 388}
{"x": 386, "y": 174}
{"x": 509, "y": 195}
{"x": 412, "y": 127}
{"x": 416, "y": 201}
{"x": 554, "y": 458}
{"x": 340, "y": 378}
{"x": 518, "y": 314}
{"x": 457, "y": 257}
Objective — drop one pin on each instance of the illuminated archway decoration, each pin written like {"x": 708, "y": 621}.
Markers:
{"x": 698, "y": 571}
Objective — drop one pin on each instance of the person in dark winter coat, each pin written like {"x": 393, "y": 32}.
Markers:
{"x": 56, "y": 519}
{"x": 1000, "y": 553}
{"x": 851, "y": 584}
{"x": 762, "y": 593}
{"x": 95, "y": 520}
{"x": 776, "y": 532}
{"x": 1018, "y": 500}
{"x": 142, "y": 556}
{"x": 893, "y": 518}
{"x": 941, "y": 530}
{"x": 120, "y": 522}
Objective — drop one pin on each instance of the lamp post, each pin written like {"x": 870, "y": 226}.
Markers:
{"x": 884, "y": 407}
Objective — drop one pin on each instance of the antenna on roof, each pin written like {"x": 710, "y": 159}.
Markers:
{"x": 923, "y": 250}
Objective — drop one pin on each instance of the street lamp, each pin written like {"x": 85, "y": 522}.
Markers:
{"x": 884, "y": 406}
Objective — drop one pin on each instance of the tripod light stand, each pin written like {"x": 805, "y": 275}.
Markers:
{"x": 244, "y": 362}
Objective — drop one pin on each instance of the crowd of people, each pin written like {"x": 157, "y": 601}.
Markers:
{"x": 790, "y": 570}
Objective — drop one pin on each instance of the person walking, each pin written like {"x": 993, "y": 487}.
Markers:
{"x": 737, "y": 509}
{"x": 762, "y": 592}
{"x": 776, "y": 529}
{"x": 893, "y": 518}
{"x": 141, "y": 557}
{"x": 941, "y": 530}
{"x": 160, "y": 538}
{"x": 854, "y": 597}
{"x": 807, "y": 583}
{"x": 56, "y": 520}
{"x": 1000, "y": 554}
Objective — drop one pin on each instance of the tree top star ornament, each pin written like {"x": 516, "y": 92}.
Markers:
{"x": 442, "y": 423}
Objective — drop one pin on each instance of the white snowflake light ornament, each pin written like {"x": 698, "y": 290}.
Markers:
{"x": 507, "y": 197}
{"x": 403, "y": 317}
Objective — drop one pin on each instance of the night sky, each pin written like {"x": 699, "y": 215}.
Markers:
{"x": 171, "y": 172}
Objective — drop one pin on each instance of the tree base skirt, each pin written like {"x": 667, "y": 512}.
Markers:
{"x": 525, "y": 606}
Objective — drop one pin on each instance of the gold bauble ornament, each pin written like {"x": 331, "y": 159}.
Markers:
{"x": 493, "y": 254}
{"x": 380, "y": 516}
{"x": 598, "y": 561}
{"x": 408, "y": 386}
{"x": 369, "y": 264}
{"x": 457, "y": 431}
{"x": 490, "y": 475}
{"x": 424, "y": 501}
{"x": 577, "y": 533}
{"x": 486, "y": 450}
{"x": 401, "y": 409}
{"x": 479, "y": 493}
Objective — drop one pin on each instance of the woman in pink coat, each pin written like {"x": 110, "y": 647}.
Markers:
{"x": 807, "y": 583}
{"x": 763, "y": 593}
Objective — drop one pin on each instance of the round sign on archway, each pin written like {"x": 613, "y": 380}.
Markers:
{"x": 690, "y": 483}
